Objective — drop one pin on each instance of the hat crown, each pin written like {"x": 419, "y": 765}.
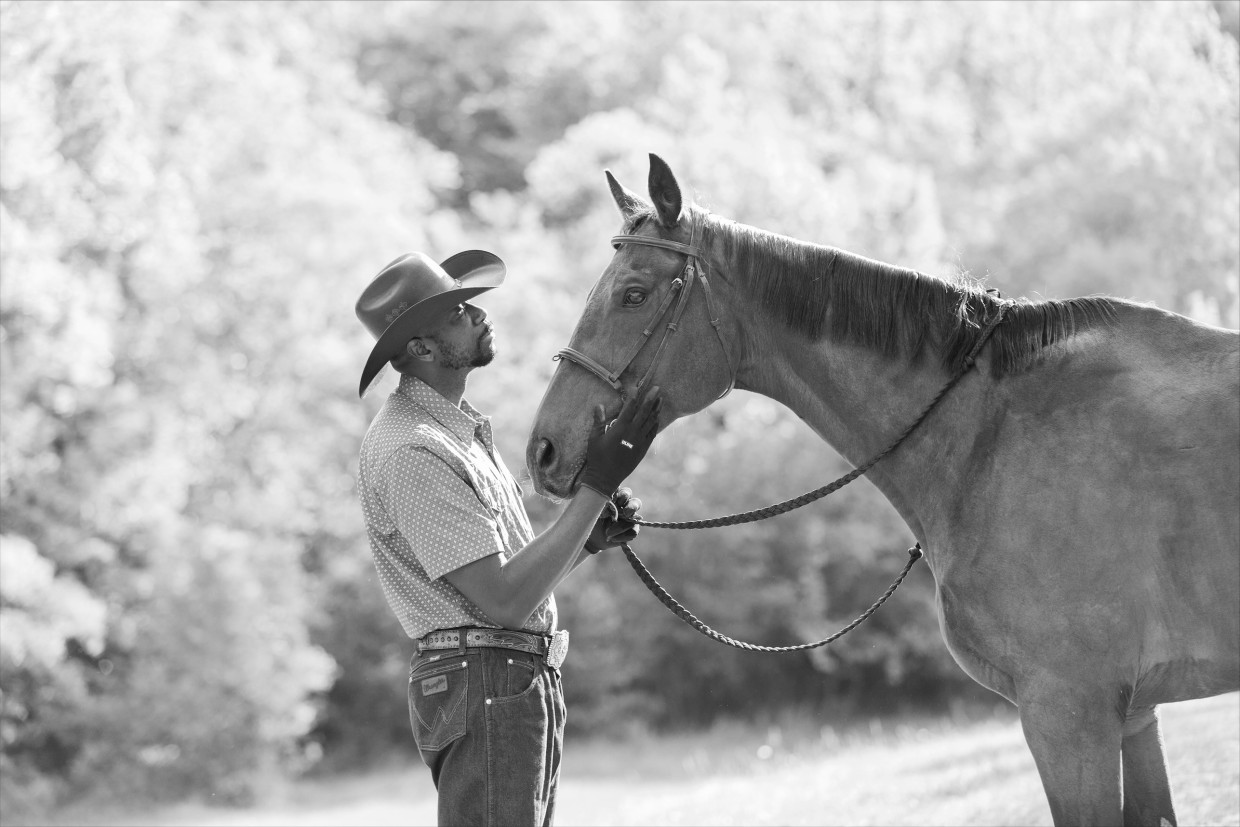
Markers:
{"x": 406, "y": 281}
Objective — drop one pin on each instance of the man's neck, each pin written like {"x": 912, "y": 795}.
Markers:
{"x": 450, "y": 384}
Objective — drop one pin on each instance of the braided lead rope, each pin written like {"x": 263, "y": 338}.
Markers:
{"x": 914, "y": 554}
{"x": 809, "y": 496}
{"x": 818, "y": 493}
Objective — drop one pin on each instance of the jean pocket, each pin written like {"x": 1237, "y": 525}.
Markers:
{"x": 438, "y": 703}
{"x": 519, "y": 671}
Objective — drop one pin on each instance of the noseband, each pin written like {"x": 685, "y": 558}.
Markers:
{"x": 682, "y": 286}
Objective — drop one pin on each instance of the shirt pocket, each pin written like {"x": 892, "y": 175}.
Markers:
{"x": 486, "y": 488}
{"x": 492, "y": 495}
{"x": 510, "y": 481}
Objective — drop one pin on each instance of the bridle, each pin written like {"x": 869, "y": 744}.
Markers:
{"x": 694, "y": 271}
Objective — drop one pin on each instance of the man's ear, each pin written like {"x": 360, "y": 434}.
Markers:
{"x": 417, "y": 349}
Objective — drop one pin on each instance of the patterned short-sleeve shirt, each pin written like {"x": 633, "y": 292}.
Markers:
{"x": 437, "y": 496}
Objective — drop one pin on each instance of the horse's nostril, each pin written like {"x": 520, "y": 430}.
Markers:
{"x": 544, "y": 454}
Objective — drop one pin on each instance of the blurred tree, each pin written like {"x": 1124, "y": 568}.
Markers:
{"x": 1228, "y": 12}
{"x": 192, "y": 197}
{"x": 492, "y": 81}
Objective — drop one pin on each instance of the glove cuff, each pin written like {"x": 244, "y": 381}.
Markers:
{"x": 586, "y": 482}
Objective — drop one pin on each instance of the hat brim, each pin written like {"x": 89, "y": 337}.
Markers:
{"x": 477, "y": 270}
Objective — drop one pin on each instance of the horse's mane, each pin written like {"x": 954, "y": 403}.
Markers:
{"x": 826, "y": 292}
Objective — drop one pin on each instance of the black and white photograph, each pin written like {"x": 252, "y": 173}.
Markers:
{"x": 619, "y": 412}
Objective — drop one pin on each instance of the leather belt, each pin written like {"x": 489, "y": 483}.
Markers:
{"x": 553, "y": 648}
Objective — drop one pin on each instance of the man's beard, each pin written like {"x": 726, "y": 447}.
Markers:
{"x": 455, "y": 358}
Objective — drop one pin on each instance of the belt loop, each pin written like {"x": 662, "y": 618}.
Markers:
{"x": 460, "y": 641}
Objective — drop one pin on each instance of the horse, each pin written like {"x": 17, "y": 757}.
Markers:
{"x": 1077, "y": 493}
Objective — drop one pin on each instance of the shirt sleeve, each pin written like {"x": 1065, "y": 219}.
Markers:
{"x": 438, "y": 513}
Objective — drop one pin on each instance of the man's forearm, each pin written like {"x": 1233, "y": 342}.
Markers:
{"x": 509, "y": 589}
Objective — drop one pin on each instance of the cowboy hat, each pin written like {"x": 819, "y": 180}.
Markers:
{"x": 413, "y": 293}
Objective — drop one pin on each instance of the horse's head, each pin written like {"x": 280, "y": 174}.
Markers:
{"x": 647, "y": 322}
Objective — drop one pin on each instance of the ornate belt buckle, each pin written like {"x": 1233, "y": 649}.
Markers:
{"x": 557, "y": 648}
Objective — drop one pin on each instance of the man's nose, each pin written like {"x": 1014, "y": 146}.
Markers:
{"x": 477, "y": 313}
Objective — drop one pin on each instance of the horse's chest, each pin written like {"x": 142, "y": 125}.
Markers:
{"x": 978, "y": 643}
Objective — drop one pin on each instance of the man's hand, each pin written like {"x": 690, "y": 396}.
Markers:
{"x": 615, "y": 449}
{"x": 615, "y": 525}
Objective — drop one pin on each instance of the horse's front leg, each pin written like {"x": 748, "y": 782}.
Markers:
{"x": 1074, "y": 733}
{"x": 1147, "y": 792}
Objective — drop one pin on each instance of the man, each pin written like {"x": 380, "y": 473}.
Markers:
{"x": 459, "y": 564}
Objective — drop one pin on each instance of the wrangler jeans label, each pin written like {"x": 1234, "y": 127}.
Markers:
{"x": 439, "y": 683}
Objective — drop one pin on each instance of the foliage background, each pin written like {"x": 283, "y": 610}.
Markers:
{"x": 192, "y": 194}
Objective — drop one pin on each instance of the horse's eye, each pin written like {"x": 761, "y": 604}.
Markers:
{"x": 634, "y": 296}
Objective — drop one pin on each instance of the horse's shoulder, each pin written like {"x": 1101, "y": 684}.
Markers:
{"x": 1143, "y": 364}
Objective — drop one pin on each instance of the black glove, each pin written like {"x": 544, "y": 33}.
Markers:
{"x": 615, "y": 525}
{"x": 615, "y": 449}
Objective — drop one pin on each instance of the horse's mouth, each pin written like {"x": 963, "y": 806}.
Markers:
{"x": 556, "y": 489}
{"x": 565, "y": 491}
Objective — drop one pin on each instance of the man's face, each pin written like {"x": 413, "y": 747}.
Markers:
{"x": 465, "y": 340}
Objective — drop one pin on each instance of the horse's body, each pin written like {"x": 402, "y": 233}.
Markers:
{"x": 1077, "y": 495}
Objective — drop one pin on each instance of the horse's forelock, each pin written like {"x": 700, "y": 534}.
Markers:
{"x": 634, "y": 221}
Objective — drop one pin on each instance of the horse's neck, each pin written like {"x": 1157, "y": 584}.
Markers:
{"x": 859, "y": 401}
{"x": 857, "y": 396}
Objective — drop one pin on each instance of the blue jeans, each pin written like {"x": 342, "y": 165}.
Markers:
{"x": 489, "y": 723}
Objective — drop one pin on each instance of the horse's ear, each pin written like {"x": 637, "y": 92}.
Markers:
{"x": 629, "y": 203}
{"x": 665, "y": 192}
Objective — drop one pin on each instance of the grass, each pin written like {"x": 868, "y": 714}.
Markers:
{"x": 919, "y": 772}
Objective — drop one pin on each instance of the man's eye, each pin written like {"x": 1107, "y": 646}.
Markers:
{"x": 634, "y": 296}
{"x": 459, "y": 312}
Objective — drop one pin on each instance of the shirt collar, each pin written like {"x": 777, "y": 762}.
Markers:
{"x": 464, "y": 422}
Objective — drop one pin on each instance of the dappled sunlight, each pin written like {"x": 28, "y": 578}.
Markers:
{"x": 194, "y": 195}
